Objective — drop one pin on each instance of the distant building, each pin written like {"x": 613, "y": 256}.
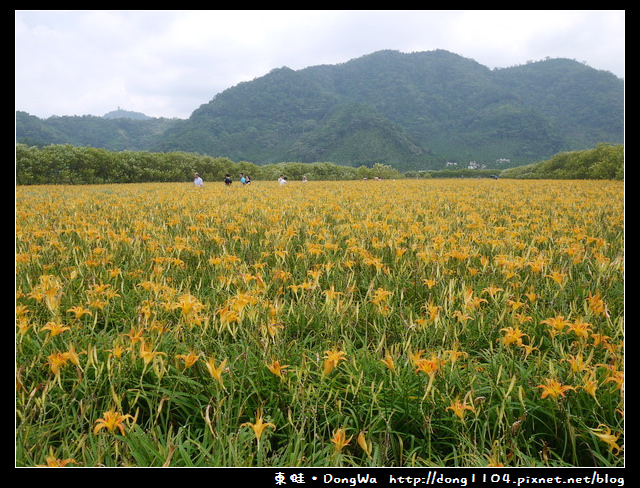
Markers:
{"x": 475, "y": 165}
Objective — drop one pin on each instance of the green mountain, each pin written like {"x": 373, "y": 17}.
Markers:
{"x": 412, "y": 111}
{"x": 125, "y": 114}
{"x": 116, "y": 134}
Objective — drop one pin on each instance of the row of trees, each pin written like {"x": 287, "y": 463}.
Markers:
{"x": 67, "y": 164}
{"x": 604, "y": 162}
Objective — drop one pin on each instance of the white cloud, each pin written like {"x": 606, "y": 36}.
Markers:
{"x": 167, "y": 63}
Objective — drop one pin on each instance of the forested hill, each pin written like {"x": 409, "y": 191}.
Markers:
{"x": 412, "y": 111}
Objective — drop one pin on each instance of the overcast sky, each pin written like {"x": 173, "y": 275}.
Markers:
{"x": 167, "y": 63}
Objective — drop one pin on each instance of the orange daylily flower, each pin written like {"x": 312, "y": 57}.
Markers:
{"x": 340, "y": 440}
{"x": 216, "y": 371}
{"x": 111, "y": 421}
{"x": 603, "y": 432}
{"x": 147, "y": 354}
{"x": 56, "y": 463}
{"x": 512, "y": 336}
{"x": 56, "y": 361}
{"x": 55, "y": 328}
{"x": 388, "y": 362}
{"x": 557, "y": 324}
{"x": 556, "y": 276}
{"x": 79, "y": 311}
{"x": 362, "y": 442}
{"x": 580, "y": 328}
{"x": 428, "y": 366}
{"x": 259, "y": 426}
{"x": 276, "y": 368}
{"x": 554, "y": 388}
{"x": 189, "y": 359}
{"x": 596, "y": 304}
{"x": 332, "y": 358}
{"x": 459, "y": 408}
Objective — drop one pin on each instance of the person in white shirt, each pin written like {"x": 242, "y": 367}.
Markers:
{"x": 198, "y": 181}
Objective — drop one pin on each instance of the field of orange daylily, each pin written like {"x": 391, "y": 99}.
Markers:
{"x": 360, "y": 323}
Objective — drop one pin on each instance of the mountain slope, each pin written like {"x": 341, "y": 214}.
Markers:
{"x": 413, "y": 111}
{"x": 115, "y": 134}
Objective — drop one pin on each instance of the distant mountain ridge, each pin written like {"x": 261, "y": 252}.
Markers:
{"x": 413, "y": 111}
{"x": 121, "y": 113}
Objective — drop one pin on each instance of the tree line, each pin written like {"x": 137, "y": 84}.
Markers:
{"x": 604, "y": 162}
{"x": 73, "y": 165}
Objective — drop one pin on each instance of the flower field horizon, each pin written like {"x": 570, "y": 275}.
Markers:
{"x": 360, "y": 323}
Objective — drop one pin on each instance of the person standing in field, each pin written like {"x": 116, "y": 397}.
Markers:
{"x": 197, "y": 182}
